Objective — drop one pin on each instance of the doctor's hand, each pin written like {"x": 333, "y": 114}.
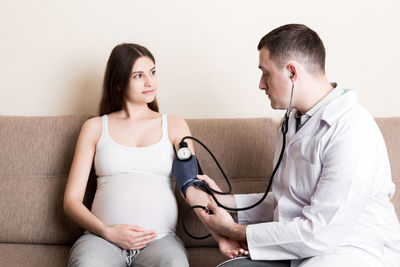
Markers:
{"x": 221, "y": 222}
{"x": 226, "y": 200}
{"x": 231, "y": 248}
{"x": 210, "y": 182}
{"x": 131, "y": 237}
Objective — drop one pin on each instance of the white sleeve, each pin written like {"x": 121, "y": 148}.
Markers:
{"x": 350, "y": 161}
{"x": 262, "y": 213}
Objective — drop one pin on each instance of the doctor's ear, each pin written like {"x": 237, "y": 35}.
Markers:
{"x": 292, "y": 71}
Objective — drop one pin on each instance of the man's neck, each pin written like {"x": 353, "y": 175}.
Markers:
{"x": 312, "y": 91}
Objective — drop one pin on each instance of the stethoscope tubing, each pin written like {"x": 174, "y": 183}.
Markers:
{"x": 204, "y": 187}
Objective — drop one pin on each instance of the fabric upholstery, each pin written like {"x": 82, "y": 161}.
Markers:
{"x": 390, "y": 128}
{"x": 35, "y": 158}
{"x": 33, "y": 255}
{"x": 36, "y": 155}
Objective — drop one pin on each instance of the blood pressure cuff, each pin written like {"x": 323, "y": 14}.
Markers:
{"x": 185, "y": 173}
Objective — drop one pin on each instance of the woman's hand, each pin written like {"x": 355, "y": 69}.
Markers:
{"x": 131, "y": 237}
{"x": 231, "y": 248}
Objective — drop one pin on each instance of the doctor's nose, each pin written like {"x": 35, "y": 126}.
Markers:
{"x": 262, "y": 85}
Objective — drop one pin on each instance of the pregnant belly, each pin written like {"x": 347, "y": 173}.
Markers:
{"x": 141, "y": 198}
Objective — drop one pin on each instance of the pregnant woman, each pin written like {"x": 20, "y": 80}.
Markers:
{"x": 134, "y": 212}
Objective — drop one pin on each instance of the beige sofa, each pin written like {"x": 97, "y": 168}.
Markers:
{"x": 36, "y": 154}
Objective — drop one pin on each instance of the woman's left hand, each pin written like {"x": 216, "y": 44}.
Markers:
{"x": 231, "y": 248}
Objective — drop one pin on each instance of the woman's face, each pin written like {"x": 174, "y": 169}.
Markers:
{"x": 142, "y": 85}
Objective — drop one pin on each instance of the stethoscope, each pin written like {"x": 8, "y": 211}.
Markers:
{"x": 184, "y": 153}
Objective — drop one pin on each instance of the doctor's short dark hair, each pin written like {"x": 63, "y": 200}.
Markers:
{"x": 117, "y": 75}
{"x": 295, "y": 41}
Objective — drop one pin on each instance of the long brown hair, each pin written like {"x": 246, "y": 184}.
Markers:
{"x": 117, "y": 75}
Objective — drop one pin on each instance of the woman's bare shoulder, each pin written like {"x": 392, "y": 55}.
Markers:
{"x": 177, "y": 124}
{"x": 92, "y": 129}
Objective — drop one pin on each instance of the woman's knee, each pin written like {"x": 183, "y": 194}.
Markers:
{"x": 91, "y": 250}
{"x": 167, "y": 251}
{"x": 175, "y": 261}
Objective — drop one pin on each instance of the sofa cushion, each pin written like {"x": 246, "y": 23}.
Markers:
{"x": 244, "y": 147}
{"x": 33, "y": 146}
{"x": 390, "y": 128}
{"x": 35, "y": 158}
{"x": 33, "y": 255}
{"x": 202, "y": 257}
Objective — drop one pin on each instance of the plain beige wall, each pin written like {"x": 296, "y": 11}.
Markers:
{"x": 53, "y": 53}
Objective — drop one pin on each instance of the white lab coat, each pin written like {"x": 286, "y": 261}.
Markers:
{"x": 331, "y": 195}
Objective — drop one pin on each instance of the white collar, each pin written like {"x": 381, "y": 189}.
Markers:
{"x": 336, "y": 92}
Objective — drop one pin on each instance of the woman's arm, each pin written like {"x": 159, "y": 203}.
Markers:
{"x": 78, "y": 178}
{"x": 126, "y": 236}
{"x": 178, "y": 129}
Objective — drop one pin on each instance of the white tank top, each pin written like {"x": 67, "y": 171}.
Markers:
{"x": 134, "y": 183}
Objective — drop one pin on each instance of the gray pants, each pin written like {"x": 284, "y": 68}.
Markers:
{"x": 91, "y": 250}
{"x": 247, "y": 262}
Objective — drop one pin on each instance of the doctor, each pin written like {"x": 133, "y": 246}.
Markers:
{"x": 330, "y": 200}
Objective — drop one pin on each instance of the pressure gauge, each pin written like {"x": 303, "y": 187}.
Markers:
{"x": 184, "y": 153}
